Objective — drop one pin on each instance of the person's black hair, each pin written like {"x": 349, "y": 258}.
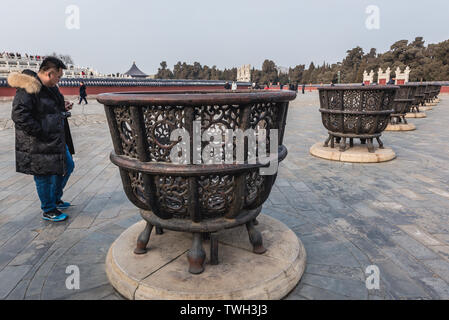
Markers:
{"x": 52, "y": 63}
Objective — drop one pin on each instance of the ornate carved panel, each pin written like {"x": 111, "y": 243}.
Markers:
{"x": 160, "y": 122}
{"x": 216, "y": 194}
{"x": 254, "y": 186}
{"x": 137, "y": 185}
{"x": 172, "y": 194}
{"x": 127, "y": 136}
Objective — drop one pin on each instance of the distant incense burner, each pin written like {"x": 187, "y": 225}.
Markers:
{"x": 360, "y": 112}
{"x": 419, "y": 98}
{"x": 403, "y": 100}
{"x": 433, "y": 91}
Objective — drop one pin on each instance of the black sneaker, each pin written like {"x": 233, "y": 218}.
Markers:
{"x": 54, "y": 215}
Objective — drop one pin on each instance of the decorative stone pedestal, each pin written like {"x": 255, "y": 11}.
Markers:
{"x": 162, "y": 273}
{"x": 416, "y": 115}
{"x": 401, "y": 127}
{"x": 427, "y": 108}
{"x": 357, "y": 154}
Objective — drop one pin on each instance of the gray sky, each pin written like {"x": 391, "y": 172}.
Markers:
{"x": 228, "y": 33}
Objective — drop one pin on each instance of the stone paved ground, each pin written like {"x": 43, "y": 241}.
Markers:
{"x": 349, "y": 216}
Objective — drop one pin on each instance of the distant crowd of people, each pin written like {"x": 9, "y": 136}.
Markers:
{"x": 12, "y": 55}
{"x": 256, "y": 86}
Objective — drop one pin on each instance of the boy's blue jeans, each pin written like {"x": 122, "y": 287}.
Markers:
{"x": 50, "y": 188}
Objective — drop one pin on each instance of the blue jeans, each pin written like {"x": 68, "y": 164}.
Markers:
{"x": 50, "y": 188}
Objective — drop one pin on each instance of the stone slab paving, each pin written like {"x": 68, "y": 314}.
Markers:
{"x": 393, "y": 215}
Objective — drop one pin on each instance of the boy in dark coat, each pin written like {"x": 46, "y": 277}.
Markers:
{"x": 44, "y": 144}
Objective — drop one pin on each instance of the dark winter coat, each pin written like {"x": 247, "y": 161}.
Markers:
{"x": 83, "y": 93}
{"x": 42, "y": 130}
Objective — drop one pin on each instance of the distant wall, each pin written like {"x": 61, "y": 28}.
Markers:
{"x": 70, "y": 87}
{"x": 95, "y": 87}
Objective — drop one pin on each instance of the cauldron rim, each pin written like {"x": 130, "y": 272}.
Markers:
{"x": 407, "y": 85}
{"x": 194, "y": 97}
{"x": 417, "y": 84}
{"x": 360, "y": 87}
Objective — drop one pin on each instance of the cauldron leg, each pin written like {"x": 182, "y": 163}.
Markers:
{"x": 333, "y": 142}
{"x": 363, "y": 141}
{"x": 369, "y": 142}
{"x": 381, "y": 145}
{"x": 159, "y": 230}
{"x": 206, "y": 236}
{"x": 343, "y": 145}
{"x": 351, "y": 142}
{"x": 142, "y": 240}
{"x": 403, "y": 119}
{"x": 255, "y": 237}
{"x": 338, "y": 140}
{"x": 196, "y": 255}
{"x": 326, "y": 143}
{"x": 214, "y": 249}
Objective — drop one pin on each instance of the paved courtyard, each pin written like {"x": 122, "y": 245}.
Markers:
{"x": 391, "y": 215}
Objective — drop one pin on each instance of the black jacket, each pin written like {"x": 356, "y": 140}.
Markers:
{"x": 83, "y": 93}
{"x": 42, "y": 130}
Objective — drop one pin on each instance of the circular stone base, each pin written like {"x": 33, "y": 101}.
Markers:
{"x": 427, "y": 108}
{"x": 416, "y": 115}
{"x": 162, "y": 273}
{"x": 401, "y": 127}
{"x": 358, "y": 154}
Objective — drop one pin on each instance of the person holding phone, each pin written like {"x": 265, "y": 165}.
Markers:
{"x": 44, "y": 145}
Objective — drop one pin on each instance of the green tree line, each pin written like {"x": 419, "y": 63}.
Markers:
{"x": 195, "y": 71}
{"x": 427, "y": 63}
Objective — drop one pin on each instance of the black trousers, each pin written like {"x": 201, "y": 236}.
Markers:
{"x": 81, "y": 99}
